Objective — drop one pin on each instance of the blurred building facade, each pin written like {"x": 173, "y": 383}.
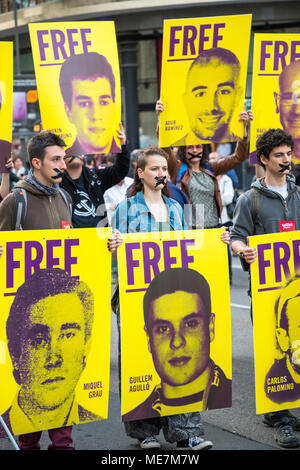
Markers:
{"x": 139, "y": 28}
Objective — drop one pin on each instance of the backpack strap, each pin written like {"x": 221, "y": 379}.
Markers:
{"x": 20, "y": 208}
{"x": 68, "y": 200}
{"x": 255, "y": 201}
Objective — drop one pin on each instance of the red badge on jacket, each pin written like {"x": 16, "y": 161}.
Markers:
{"x": 287, "y": 225}
{"x": 65, "y": 224}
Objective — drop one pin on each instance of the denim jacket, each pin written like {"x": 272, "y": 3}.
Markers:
{"x": 133, "y": 215}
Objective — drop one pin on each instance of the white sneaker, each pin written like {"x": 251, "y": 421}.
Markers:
{"x": 194, "y": 443}
{"x": 149, "y": 443}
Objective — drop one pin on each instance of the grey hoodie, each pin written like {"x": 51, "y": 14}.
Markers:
{"x": 272, "y": 209}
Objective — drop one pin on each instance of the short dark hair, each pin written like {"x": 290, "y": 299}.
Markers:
{"x": 90, "y": 159}
{"x": 177, "y": 279}
{"x": 86, "y": 66}
{"x": 224, "y": 56}
{"x": 271, "y": 139}
{"x": 36, "y": 147}
{"x": 42, "y": 284}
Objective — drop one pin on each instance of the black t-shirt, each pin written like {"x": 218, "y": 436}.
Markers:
{"x": 84, "y": 212}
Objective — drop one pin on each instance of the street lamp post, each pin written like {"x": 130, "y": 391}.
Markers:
{"x": 17, "y": 46}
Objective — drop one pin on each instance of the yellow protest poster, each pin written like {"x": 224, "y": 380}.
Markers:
{"x": 78, "y": 80}
{"x": 276, "y": 88}
{"x": 175, "y": 323}
{"x": 6, "y": 103}
{"x": 275, "y": 283}
{"x": 54, "y": 328}
{"x": 203, "y": 79}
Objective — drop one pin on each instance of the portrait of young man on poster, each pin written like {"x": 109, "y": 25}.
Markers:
{"x": 48, "y": 331}
{"x": 288, "y": 105}
{"x": 87, "y": 85}
{"x": 212, "y": 93}
{"x": 282, "y": 382}
{"x": 180, "y": 327}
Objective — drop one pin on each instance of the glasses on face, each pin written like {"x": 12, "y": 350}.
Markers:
{"x": 288, "y": 99}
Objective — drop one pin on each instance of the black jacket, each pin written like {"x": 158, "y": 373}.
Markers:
{"x": 97, "y": 181}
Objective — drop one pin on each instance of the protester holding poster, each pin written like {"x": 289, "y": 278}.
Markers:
{"x": 46, "y": 156}
{"x": 206, "y": 68}
{"x": 199, "y": 182}
{"x": 150, "y": 210}
{"x": 78, "y": 80}
{"x": 272, "y": 205}
{"x": 86, "y": 186}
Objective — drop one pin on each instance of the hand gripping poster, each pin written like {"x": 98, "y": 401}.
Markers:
{"x": 175, "y": 323}
{"x": 54, "y": 328}
{"x": 276, "y": 88}
{"x": 203, "y": 79}
{"x": 275, "y": 281}
{"x": 6, "y": 103}
{"x": 78, "y": 80}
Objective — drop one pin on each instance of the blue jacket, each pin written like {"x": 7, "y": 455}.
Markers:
{"x": 133, "y": 215}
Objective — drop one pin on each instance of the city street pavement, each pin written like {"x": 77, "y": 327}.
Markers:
{"x": 237, "y": 428}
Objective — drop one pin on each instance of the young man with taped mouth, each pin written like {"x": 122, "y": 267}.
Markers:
{"x": 47, "y": 158}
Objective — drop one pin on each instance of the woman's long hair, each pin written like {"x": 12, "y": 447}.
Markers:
{"x": 141, "y": 163}
{"x": 203, "y": 161}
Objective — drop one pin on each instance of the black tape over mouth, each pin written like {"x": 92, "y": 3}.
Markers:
{"x": 284, "y": 167}
{"x": 58, "y": 175}
{"x": 160, "y": 180}
{"x": 194, "y": 155}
